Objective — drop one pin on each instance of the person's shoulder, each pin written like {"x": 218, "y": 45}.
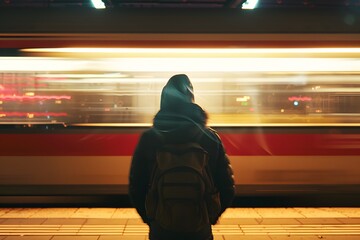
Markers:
{"x": 150, "y": 136}
{"x": 148, "y": 133}
{"x": 212, "y": 135}
{"x": 213, "y": 132}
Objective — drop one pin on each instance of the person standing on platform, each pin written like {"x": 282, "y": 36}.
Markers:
{"x": 180, "y": 180}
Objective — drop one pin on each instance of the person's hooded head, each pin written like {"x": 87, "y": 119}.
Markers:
{"x": 178, "y": 91}
{"x": 179, "y": 118}
{"x": 177, "y": 99}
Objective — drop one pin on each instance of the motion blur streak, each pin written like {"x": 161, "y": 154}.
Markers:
{"x": 289, "y": 119}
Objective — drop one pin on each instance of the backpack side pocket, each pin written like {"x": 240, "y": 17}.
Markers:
{"x": 151, "y": 204}
{"x": 213, "y": 206}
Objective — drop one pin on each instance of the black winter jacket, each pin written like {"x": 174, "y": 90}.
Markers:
{"x": 184, "y": 125}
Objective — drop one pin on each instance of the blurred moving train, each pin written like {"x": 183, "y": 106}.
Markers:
{"x": 70, "y": 117}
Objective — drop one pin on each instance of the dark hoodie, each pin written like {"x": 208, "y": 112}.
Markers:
{"x": 179, "y": 120}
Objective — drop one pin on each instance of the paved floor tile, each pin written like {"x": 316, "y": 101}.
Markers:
{"x": 319, "y": 213}
{"x": 240, "y": 213}
{"x": 122, "y": 238}
{"x": 279, "y": 213}
{"x": 125, "y": 213}
{"x": 234, "y": 224}
{"x": 4, "y": 211}
{"x": 75, "y": 238}
{"x": 20, "y": 213}
{"x": 135, "y": 221}
{"x": 64, "y": 221}
{"x": 349, "y": 220}
{"x": 341, "y": 237}
{"x": 282, "y": 221}
{"x": 28, "y": 238}
{"x": 218, "y": 237}
{"x": 286, "y": 237}
{"x": 237, "y": 237}
{"x": 94, "y": 213}
{"x": 239, "y": 221}
{"x": 54, "y": 212}
{"x": 22, "y": 221}
{"x": 319, "y": 221}
{"x": 105, "y": 221}
{"x": 348, "y": 212}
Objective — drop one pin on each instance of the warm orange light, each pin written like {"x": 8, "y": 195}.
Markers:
{"x": 302, "y": 99}
{"x": 33, "y": 114}
{"x": 243, "y": 99}
{"x": 193, "y": 50}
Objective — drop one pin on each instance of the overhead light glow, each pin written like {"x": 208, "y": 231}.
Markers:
{"x": 243, "y": 99}
{"x": 249, "y": 4}
{"x": 185, "y": 64}
{"x": 98, "y": 4}
{"x": 80, "y": 75}
{"x": 193, "y": 50}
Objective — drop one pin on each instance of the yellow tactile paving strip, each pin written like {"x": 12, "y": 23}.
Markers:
{"x": 84, "y": 230}
{"x": 130, "y": 213}
{"x": 124, "y": 223}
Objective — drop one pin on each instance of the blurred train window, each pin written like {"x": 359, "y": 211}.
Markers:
{"x": 235, "y": 88}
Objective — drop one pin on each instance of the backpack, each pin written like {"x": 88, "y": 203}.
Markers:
{"x": 182, "y": 196}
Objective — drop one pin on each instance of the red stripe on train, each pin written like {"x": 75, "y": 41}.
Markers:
{"x": 67, "y": 144}
{"x": 124, "y": 144}
{"x": 292, "y": 144}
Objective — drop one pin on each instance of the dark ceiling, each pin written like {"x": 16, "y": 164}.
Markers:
{"x": 297, "y": 4}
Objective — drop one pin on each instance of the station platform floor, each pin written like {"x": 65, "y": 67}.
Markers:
{"x": 125, "y": 224}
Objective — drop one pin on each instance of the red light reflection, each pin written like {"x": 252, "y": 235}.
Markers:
{"x": 303, "y": 99}
{"x": 35, "y": 114}
{"x": 21, "y": 98}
